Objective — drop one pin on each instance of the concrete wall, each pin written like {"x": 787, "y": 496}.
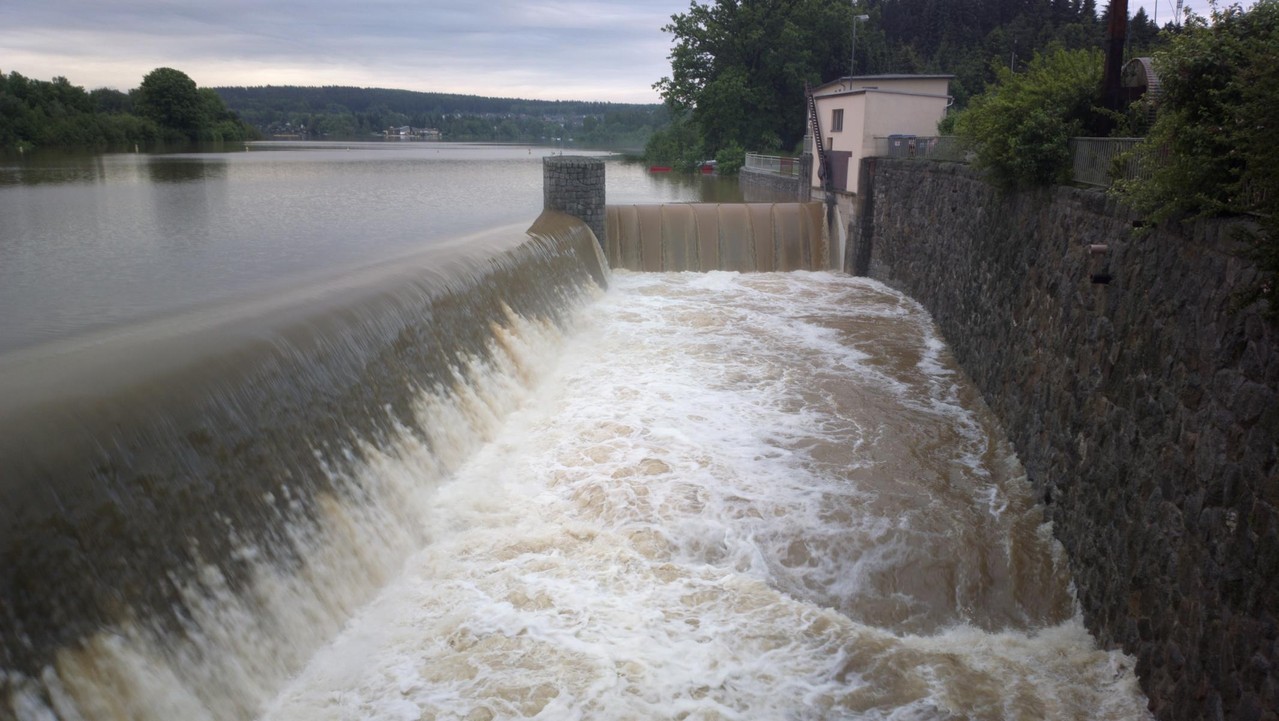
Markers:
{"x": 765, "y": 186}
{"x": 574, "y": 184}
{"x": 1146, "y": 410}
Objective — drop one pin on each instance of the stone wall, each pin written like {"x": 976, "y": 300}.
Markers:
{"x": 1145, "y": 409}
{"x": 574, "y": 184}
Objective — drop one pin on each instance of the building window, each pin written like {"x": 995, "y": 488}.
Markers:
{"x": 837, "y": 120}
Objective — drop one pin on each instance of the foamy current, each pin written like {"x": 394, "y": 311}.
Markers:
{"x": 764, "y": 496}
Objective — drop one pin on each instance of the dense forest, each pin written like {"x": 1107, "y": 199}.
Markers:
{"x": 167, "y": 107}
{"x": 346, "y": 112}
{"x": 738, "y": 69}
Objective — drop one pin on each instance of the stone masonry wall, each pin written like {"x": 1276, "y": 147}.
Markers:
{"x": 1145, "y": 409}
{"x": 574, "y": 184}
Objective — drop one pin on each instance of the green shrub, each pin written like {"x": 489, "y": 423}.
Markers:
{"x": 1212, "y": 149}
{"x": 729, "y": 160}
{"x": 1021, "y": 126}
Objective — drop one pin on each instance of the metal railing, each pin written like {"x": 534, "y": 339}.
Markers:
{"x": 1102, "y": 161}
{"x": 941, "y": 147}
{"x": 1096, "y": 161}
{"x": 775, "y": 164}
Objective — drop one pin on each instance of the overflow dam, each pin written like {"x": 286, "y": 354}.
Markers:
{"x": 503, "y": 478}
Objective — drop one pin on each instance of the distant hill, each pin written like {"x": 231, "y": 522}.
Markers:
{"x": 347, "y": 112}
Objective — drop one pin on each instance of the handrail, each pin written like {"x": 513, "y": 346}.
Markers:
{"x": 775, "y": 164}
{"x": 1098, "y": 162}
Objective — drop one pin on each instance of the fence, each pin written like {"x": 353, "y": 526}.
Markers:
{"x": 942, "y": 147}
{"x": 1100, "y": 161}
{"x": 775, "y": 164}
{"x": 1096, "y": 161}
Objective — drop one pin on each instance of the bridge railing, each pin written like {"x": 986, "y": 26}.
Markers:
{"x": 775, "y": 164}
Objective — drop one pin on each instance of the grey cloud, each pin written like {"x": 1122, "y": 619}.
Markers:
{"x": 615, "y": 47}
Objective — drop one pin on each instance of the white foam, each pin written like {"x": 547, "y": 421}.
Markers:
{"x": 735, "y": 496}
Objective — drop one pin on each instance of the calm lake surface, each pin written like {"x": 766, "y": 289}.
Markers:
{"x": 92, "y": 242}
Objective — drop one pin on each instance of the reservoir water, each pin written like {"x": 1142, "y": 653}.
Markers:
{"x": 474, "y": 474}
{"x": 95, "y": 241}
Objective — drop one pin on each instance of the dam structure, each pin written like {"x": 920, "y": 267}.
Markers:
{"x": 504, "y": 478}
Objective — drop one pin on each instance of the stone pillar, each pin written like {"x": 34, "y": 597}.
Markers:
{"x": 574, "y": 184}
{"x": 804, "y": 183}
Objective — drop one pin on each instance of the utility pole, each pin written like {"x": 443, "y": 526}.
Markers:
{"x": 1116, "y": 33}
{"x": 852, "y": 64}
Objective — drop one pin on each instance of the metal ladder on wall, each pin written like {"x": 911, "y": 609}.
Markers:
{"x": 819, "y": 143}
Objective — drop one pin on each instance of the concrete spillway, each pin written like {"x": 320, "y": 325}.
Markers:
{"x": 746, "y": 237}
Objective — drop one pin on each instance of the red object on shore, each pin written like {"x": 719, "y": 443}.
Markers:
{"x": 659, "y": 169}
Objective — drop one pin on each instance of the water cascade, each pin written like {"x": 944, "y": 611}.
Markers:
{"x": 471, "y": 484}
{"x": 745, "y": 237}
{"x": 190, "y": 507}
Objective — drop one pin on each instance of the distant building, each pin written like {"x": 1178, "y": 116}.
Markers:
{"x": 854, "y": 112}
{"x": 405, "y": 132}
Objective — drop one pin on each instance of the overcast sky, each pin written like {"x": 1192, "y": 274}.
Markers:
{"x": 559, "y": 49}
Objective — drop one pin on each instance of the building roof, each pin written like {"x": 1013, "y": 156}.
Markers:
{"x": 872, "y": 78}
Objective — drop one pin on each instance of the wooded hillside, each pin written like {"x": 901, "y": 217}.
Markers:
{"x": 332, "y": 111}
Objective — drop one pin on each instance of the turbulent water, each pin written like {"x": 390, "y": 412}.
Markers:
{"x": 476, "y": 484}
{"x": 731, "y": 497}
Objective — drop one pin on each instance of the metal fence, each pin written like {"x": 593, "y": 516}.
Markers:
{"x": 1096, "y": 161}
{"x": 1102, "y": 161}
{"x": 941, "y": 147}
{"x": 775, "y": 164}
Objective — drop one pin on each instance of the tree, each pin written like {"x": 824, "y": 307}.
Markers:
{"x": 170, "y": 98}
{"x": 1020, "y": 127}
{"x": 739, "y": 67}
{"x": 677, "y": 145}
{"x": 1143, "y": 33}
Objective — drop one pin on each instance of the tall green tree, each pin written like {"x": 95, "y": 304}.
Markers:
{"x": 739, "y": 67}
{"x": 171, "y": 99}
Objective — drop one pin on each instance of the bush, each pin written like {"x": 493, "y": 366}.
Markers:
{"x": 1212, "y": 148}
{"x": 1020, "y": 127}
{"x": 729, "y": 160}
{"x": 678, "y": 145}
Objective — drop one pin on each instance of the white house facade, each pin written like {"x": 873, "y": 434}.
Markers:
{"x": 853, "y": 112}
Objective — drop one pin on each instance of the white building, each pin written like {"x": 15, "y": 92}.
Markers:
{"x": 853, "y": 112}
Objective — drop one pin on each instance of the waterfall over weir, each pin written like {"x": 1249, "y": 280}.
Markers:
{"x": 189, "y": 507}
{"x": 474, "y": 484}
{"x": 745, "y": 237}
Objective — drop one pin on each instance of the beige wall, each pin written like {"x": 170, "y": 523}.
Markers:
{"x": 877, "y": 113}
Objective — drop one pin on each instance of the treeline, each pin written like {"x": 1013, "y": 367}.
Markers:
{"x": 167, "y": 107}
{"x": 970, "y": 38}
{"x": 738, "y": 70}
{"x": 348, "y": 112}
